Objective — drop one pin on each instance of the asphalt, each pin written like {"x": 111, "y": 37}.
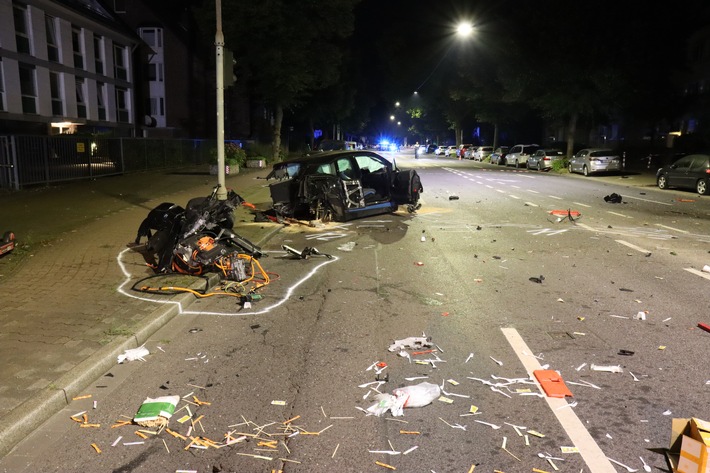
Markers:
{"x": 63, "y": 319}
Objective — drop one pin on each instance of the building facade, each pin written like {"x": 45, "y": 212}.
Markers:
{"x": 65, "y": 67}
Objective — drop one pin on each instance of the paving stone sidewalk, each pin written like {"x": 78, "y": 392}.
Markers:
{"x": 62, "y": 320}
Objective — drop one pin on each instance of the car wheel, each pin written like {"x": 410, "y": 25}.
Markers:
{"x": 517, "y": 164}
{"x": 702, "y": 187}
{"x": 662, "y": 181}
{"x": 585, "y": 171}
{"x": 539, "y": 167}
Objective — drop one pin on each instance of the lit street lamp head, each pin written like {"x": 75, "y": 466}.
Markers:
{"x": 464, "y": 29}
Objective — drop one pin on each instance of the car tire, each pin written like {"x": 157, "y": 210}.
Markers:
{"x": 539, "y": 168}
{"x": 585, "y": 171}
{"x": 517, "y": 164}
{"x": 702, "y": 187}
{"x": 662, "y": 181}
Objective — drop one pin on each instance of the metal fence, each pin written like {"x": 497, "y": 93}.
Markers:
{"x": 42, "y": 160}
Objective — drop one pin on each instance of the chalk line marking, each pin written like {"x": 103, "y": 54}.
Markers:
{"x": 646, "y": 200}
{"x": 128, "y": 279}
{"x": 589, "y": 450}
{"x": 632, "y": 246}
{"x": 671, "y": 228}
{"x": 582, "y": 205}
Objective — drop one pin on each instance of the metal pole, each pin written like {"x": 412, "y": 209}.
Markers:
{"x": 219, "y": 43}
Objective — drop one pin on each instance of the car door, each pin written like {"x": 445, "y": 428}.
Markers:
{"x": 349, "y": 176}
{"x": 578, "y": 160}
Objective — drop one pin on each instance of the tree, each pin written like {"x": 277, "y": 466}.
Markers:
{"x": 287, "y": 50}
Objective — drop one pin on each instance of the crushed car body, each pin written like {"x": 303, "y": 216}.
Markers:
{"x": 341, "y": 186}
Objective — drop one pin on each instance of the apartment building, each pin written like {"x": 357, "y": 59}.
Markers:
{"x": 66, "y": 66}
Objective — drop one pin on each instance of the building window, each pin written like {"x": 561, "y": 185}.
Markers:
{"x": 22, "y": 28}
{"x": 80, "y": 97}
{"x": 120, "y": 62}
{"x": 78, "y": 47}
{"x": 28, "y": 88}
{"x": 99, "y": 54}
{"x": 55, "y": 87}
{"x": 153, "y": 37}
{"x": 155, "y": 72}
{"x": 101, "y": 99}
{"x": 156, "y": 105}
{"x": 123, "y": 109}
{"x": 50, "y": 25}
{"x": 3, "y": 107}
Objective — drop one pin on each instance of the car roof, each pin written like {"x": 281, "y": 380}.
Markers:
{"x": 328, "y": 156}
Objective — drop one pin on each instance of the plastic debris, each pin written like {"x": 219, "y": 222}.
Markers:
{"x": 607, "y": 368}
{"x": 641, "y": 315}
{"x": 419, "y": 395}
{"x": 155, "y": 412}
{"x": 133, "y": 354}
{"x": 416, "y": 343}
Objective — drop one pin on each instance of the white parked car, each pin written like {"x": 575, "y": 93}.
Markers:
{"x": 451, "y": 151}
{"x": 592, "y": 160}
{"x": 518, "y": 155}
{"x": 440, "y": 150}
{"x": 482, "y": 152}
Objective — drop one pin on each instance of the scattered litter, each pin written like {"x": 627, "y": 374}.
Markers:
{"x": 628, "y": 468}
{"x": 607, "y": 368}
{"x": 278, "y": 403}
{"x": 453, "y": 197}
{"x": 618, "y": 316}
{"x": 581, "y": 366}
{"x": 662, "y": 347}
{"x": 499, "y": 363}
{"x": 641, "y": 315}
{"x": 536, "y": 279}
{"x": 667, "y": 413}
{"x": 419, "y": 395}
{"x": 134, "y": 354}
{"x": 626, "y": 352}
{"x": 306, "y": 253}
{"x": 703, "y": 326}
{"x": 492, "y": 426}
{"x": 584, "y": 383}
{"x": 453, "y": 426}
{"x": 410, "y": 450}
{"x": 646, "y": 466}
{"x": 349, "y": 246}
{"x": 470, "y": 355}
{"x": 613, "y": 198}
{"x": 552, "y": 383}
{"x": 416, "y": 343}
{"x": 419, "y": 263}
{"x": 156, "y": 412}
{"x": 385, "y": 465}
{"x": 634, "y": 376}
{"x": 78, "y": 398}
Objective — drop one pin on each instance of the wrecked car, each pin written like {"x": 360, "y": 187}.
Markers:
{"x": 341, "y": 186}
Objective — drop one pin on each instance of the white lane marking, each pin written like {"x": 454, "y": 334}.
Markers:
{"x": 500, "y": 190}
{"x": 590, "y": 451}
{"x": 632, "y": 246}
{"x": 582, "y": 205}
{"x": 516, "y": 187}
{"x": 647, "y": 200}
{"x": 531, "y": 204}
{"x": 513, "y": 196}
{"x": 555, "y": 197}
{"x": 547, "y": 231}
{"x": 534, "y": 192}
{"x": 489, "y": 186}
{"x": 618, "y": 214}
{"x": 698, "y": 273}
{"x": 672, "y": 228}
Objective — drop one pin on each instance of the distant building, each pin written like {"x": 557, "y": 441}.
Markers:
{"x": 65, "y": 66}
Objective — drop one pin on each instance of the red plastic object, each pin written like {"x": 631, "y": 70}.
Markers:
{"x": 565, "y": 213}
{"x": 705, "y": 327}
{"x": 552, "y": 383}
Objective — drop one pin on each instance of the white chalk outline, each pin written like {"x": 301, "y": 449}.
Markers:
{"x": 121, "y": 289}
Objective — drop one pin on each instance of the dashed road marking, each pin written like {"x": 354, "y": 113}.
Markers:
{"x": 582, "y": 205}
{"x": 698, "y": 273}
{"x": 618, "y": 214}
{"x": 647, "y": 200}
{"x": 555, "y": 197}
{"x": 547, "y": 231}
{"x": 590, "y": 451}
{"x": 531, "y": 204}
{"x": 672, "y": 228}
{"x": 633, "y": 247}
{"x": 514, "y": 196}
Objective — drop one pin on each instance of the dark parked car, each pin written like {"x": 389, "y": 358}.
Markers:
{"x": 691, "y": 172}
{"x": 342, "y": 185}
{"x": 498, "y": 156}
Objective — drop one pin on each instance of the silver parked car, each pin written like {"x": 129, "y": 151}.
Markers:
{"x": 593, "y": 160}
{"x": 518, "y": 155}
{"x": 482, "y": 152}
{"x": 542, "y": 159}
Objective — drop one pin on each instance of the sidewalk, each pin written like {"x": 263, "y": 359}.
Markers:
{"x": 62, "y": 322}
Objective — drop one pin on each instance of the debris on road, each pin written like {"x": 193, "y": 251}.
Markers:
{"x": 418, "y": 395}
{"x": 155, "y": 412}
{"x": 417, "y": 343}
{"x": 613, "y": 198}
{"x": 607, "y": 368}
{"x": 134, "y": 354}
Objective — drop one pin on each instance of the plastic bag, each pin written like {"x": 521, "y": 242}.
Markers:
{"x": 133, "y": 354}
{"x": 419, "y": 395}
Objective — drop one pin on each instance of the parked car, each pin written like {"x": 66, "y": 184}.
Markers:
{"x": 451, "y": 151}
{"x": 498, "y": 155}
{"x": 519, "y": 154}
{"x": 440, "y": 150}
{"x": 482, "y": 152}
{"x": 341, "y": 186}
{"x": 593, "y": 160}
{"x": 689, "y": 172}
{"x": 542, "y": 159}
{"x": 428, "y": 149}
{"x": 461, "y": 152}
